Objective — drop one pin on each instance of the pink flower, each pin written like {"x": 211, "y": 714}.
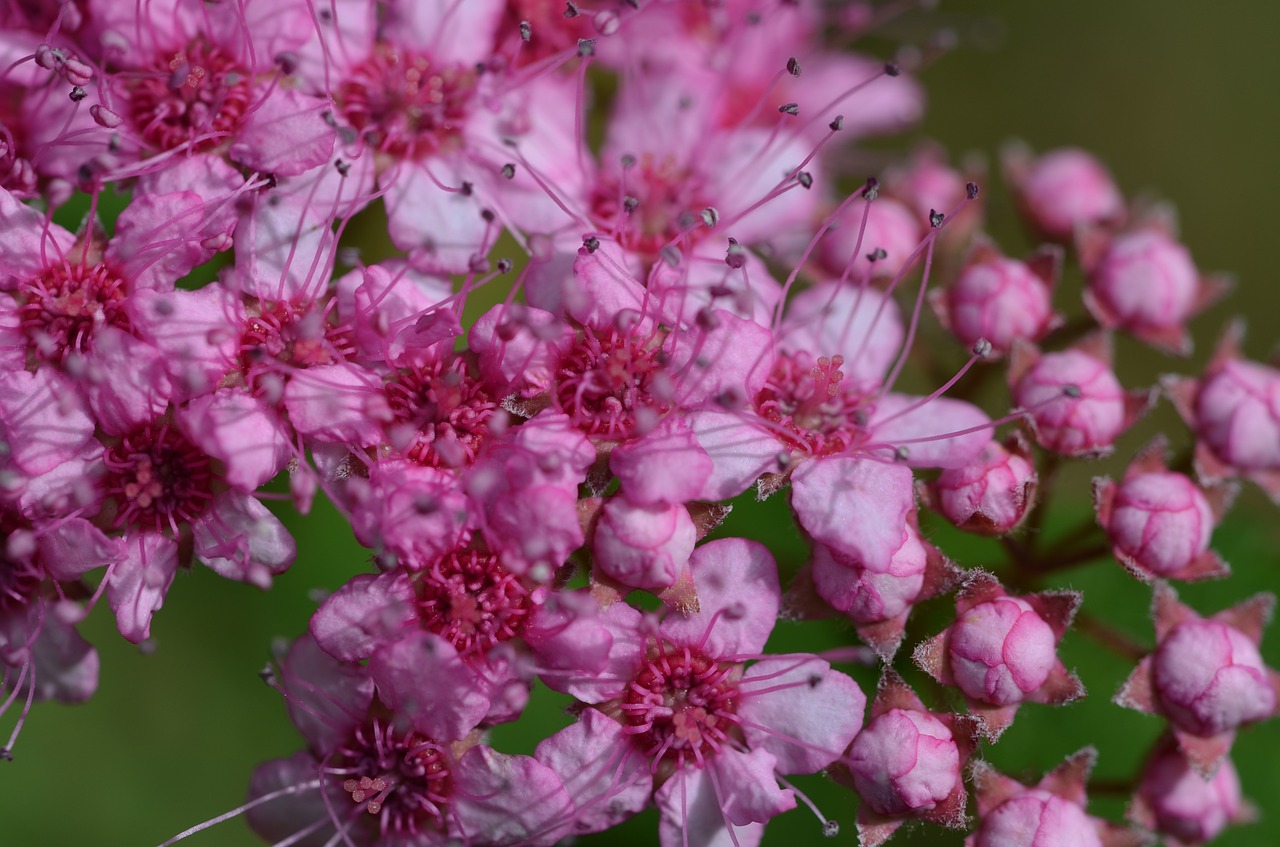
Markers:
{"x": 1049, "y": 814}
{"x": 1000, "y": 299}
{"x": 1002, "y": 651}
{"x": 1179, "y": 803}
{"x": 907, "y": 763}
{"x": 676, "y": 695}
{"x": 642, "y": 546}
{"x": 1160, "y": 522}
{"x": 992, "y": 494}
{"x": 1075, "y": 404}
{"x": 1206, "y": 675}
{"x": 1062, "y": 190}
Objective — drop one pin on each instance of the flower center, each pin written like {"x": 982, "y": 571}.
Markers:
{"x": 607, "y": 383}
{"x": 814, "y": 411}
{"x": 469, "y": 599}
{"x": 281, "y": 337}
{"x": 61, "y": 308}
{"x": 196, "y": 96}
{"x": 681, "y": 706}
{"x": 443, "y": 411}
{"x": 403, "y": 778}
{"x": 648, "y": 205}
{"x": 406, "y": 105}
{"x": 158, "y": 478}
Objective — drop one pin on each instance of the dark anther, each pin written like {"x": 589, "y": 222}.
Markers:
{"x": 571, "y": 10}
{"x": 466, "y": 189}
{"x": 526, "y": 31}
{"x": 982, "y": 348}
{"x": 793, "y": 66}
{"x": 877, "y": 255}
{"x": 1072, "y": 391}
{"x": 710, "y": 216}
{"x": 670, "y": 255}
{"x": 936, "y": 218}
{"x": 891, "y": 69}
{"x": 509, "y": 170}
{"x": 591, "y": 243}
{"x": 344, "y": 168}
{"x": 736, "y": 256}
{"x": 837, "y": 124}
{"x": 971, "y": 190}
{"x": 789, "y": 108}
{"x": 287, "y": 62}
{"x": 900, "y": 454}
{"x": 487, "y": 215}
{"x": 630, "y": 204}
{"x": 505, "y": 266}
{"x": 586, "y": 46}
{"x": 805, "y": 179}
{"x": 78, "y": 94}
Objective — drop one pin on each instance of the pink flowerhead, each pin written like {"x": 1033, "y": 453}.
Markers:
{"x": 1002, "y": 651}
{"x": 1074, "y": 401}
{"x": 1206, "y": 675}
{"x": 643, "y": 546}
{"x": 1160, "y": 521}
{"x": 1001, "y": 299}
{"x": 1062, "y": 190}
{"x": 1176, "y": 801}
{"x": 992, "y": 493}
{"x": 1048, "y": 814}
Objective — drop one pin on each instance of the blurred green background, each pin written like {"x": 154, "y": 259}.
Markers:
{"x": 1179, "y": 97}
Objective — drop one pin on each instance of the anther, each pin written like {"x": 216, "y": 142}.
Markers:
{"x": 900, "y": 454}
{"x": 526, "y": 31}
{"x": 342, "y": 167}
{"x": 586, "y": 47}
{"x": 891, "y": 69}
{"x": 488, "y": 215}
{"x": 509, "y": 171}
{"x": 982, "y": 348}
{"x": 77, "y": 94}
{"x": 630, "y": 204}
{"x": 671, "y": 255}
{"x": 1072, "y": 391}
{"x": 837, "y": 124}
{"x": 971, "y": 190}
{"x": 571, "y": 10}
{"x": 591, "y": 243}
{"x": 736, "y": 255}
{"x": 936, "y": 218}
{"x": 789, "y": 108}
{"x": 793, "y": 66}
{"x": 805, "y": 179}
{"x": 830, "y": 829}
{"x": 287, "y": 62}
{"x": 710, "y": 216}
{"x": 877, "y": 255}
{"x": 505, "y": 266}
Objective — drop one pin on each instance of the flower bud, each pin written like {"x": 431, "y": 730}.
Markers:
{"x": 643, "y": 546}
{"x": 890, "y": 227}
{"x": 1037, "y": 818}
{"x": 1160, "y": 520}
{"x": 904, "y": 762}
{"x": 1067, "y": 188}
{"x": 1184, "y": 805}
{"x": 1237, "y": 414}
{"x": 868, "y": 595}
{"x": 1210, "y": 678}
{"x": 1001, "y": 651}
{"x": 1144, "y": 280}
{"x": 1075, "y": 401}
{"x": 999, "y": 299}
{"x": 989, "y": 495}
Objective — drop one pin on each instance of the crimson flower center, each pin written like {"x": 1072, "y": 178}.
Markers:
{"x": 159, "y": 479}
{"x": 406, "y": 105}
{"x": 648, "y": 205}
{"x": 681, "y": 706}
{"x": 812, "y": 408}
{"x": 607, "y": 383}
{"x": 403, "y": 778}
{"x": 61, "y": 308}
{"x": 195, "y": 96}
{"x": 282, "y": 336}
{"x": 442, "y": 413}
{"x": 473, "y": 602}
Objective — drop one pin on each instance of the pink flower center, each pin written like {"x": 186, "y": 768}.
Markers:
{"x": 402, "y": 778}
{"x": 606, "y": 383}
{"x": 446, "y": 409}
{"x": 814, "y": 411}
{"x": 406, "y": 105}
{"x": 470, "y": 600}
{"x": 159, "y": 479}
{"x": 282, "y": 337}
{"x": 61, "y": 308}
{"x": 196, "y": 96}
{"x": 649, "y": 205}
{"x": 681, "y": 706}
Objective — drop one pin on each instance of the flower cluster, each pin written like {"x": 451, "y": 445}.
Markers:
{"x": 539, "y": 449}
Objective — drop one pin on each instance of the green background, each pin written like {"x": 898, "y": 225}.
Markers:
{"x": 1179, "y": 97}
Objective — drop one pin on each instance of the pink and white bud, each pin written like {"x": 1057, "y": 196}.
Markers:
{"x": 1179, "y": 803}
{"x": 991, "y": 494}
{"x": 1002, "y": 651}
{"x": 866, "y": 594}
{"x": 1062, "y": 190}
{"x": 1037, "y": 818}
{"x": 892, "y": 232}
{"x": 1145, "y": 279}
{"x": 1161, "y": 521}
{"x": 904, "y": 762}
{"x": 1237, "y": 414}
{"x": 1210, "y": 678}
{"x": 1075, "y": 402}
{"x": 1001, "y": 299}
{"x": 643, "y": 546}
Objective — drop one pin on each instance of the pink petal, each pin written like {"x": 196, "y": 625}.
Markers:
{"x": 237, "y": 429}
{"x": 28, "y": 245}
{"x": 326, "y": 699}
{"x": 692, "y": 814}
{"x": 510, "y": 799}
{"x": 366, "y": 612}
{"x": 340, "y": 403}
{"x": 422, "y": 677}
{"x": 856, "y": 506}
{"x": 286, "y": 134}
{"x": 740, "y": 452}
{"x": 139, "y": 582}
{"x": 73, "y": 547}
{"x": 806, "y": 714}
{"x": 738, "y": 596}
{"x": 442, "y": 230}
{"x": 240, "y": 539}
{"x": 892, "y": 424}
